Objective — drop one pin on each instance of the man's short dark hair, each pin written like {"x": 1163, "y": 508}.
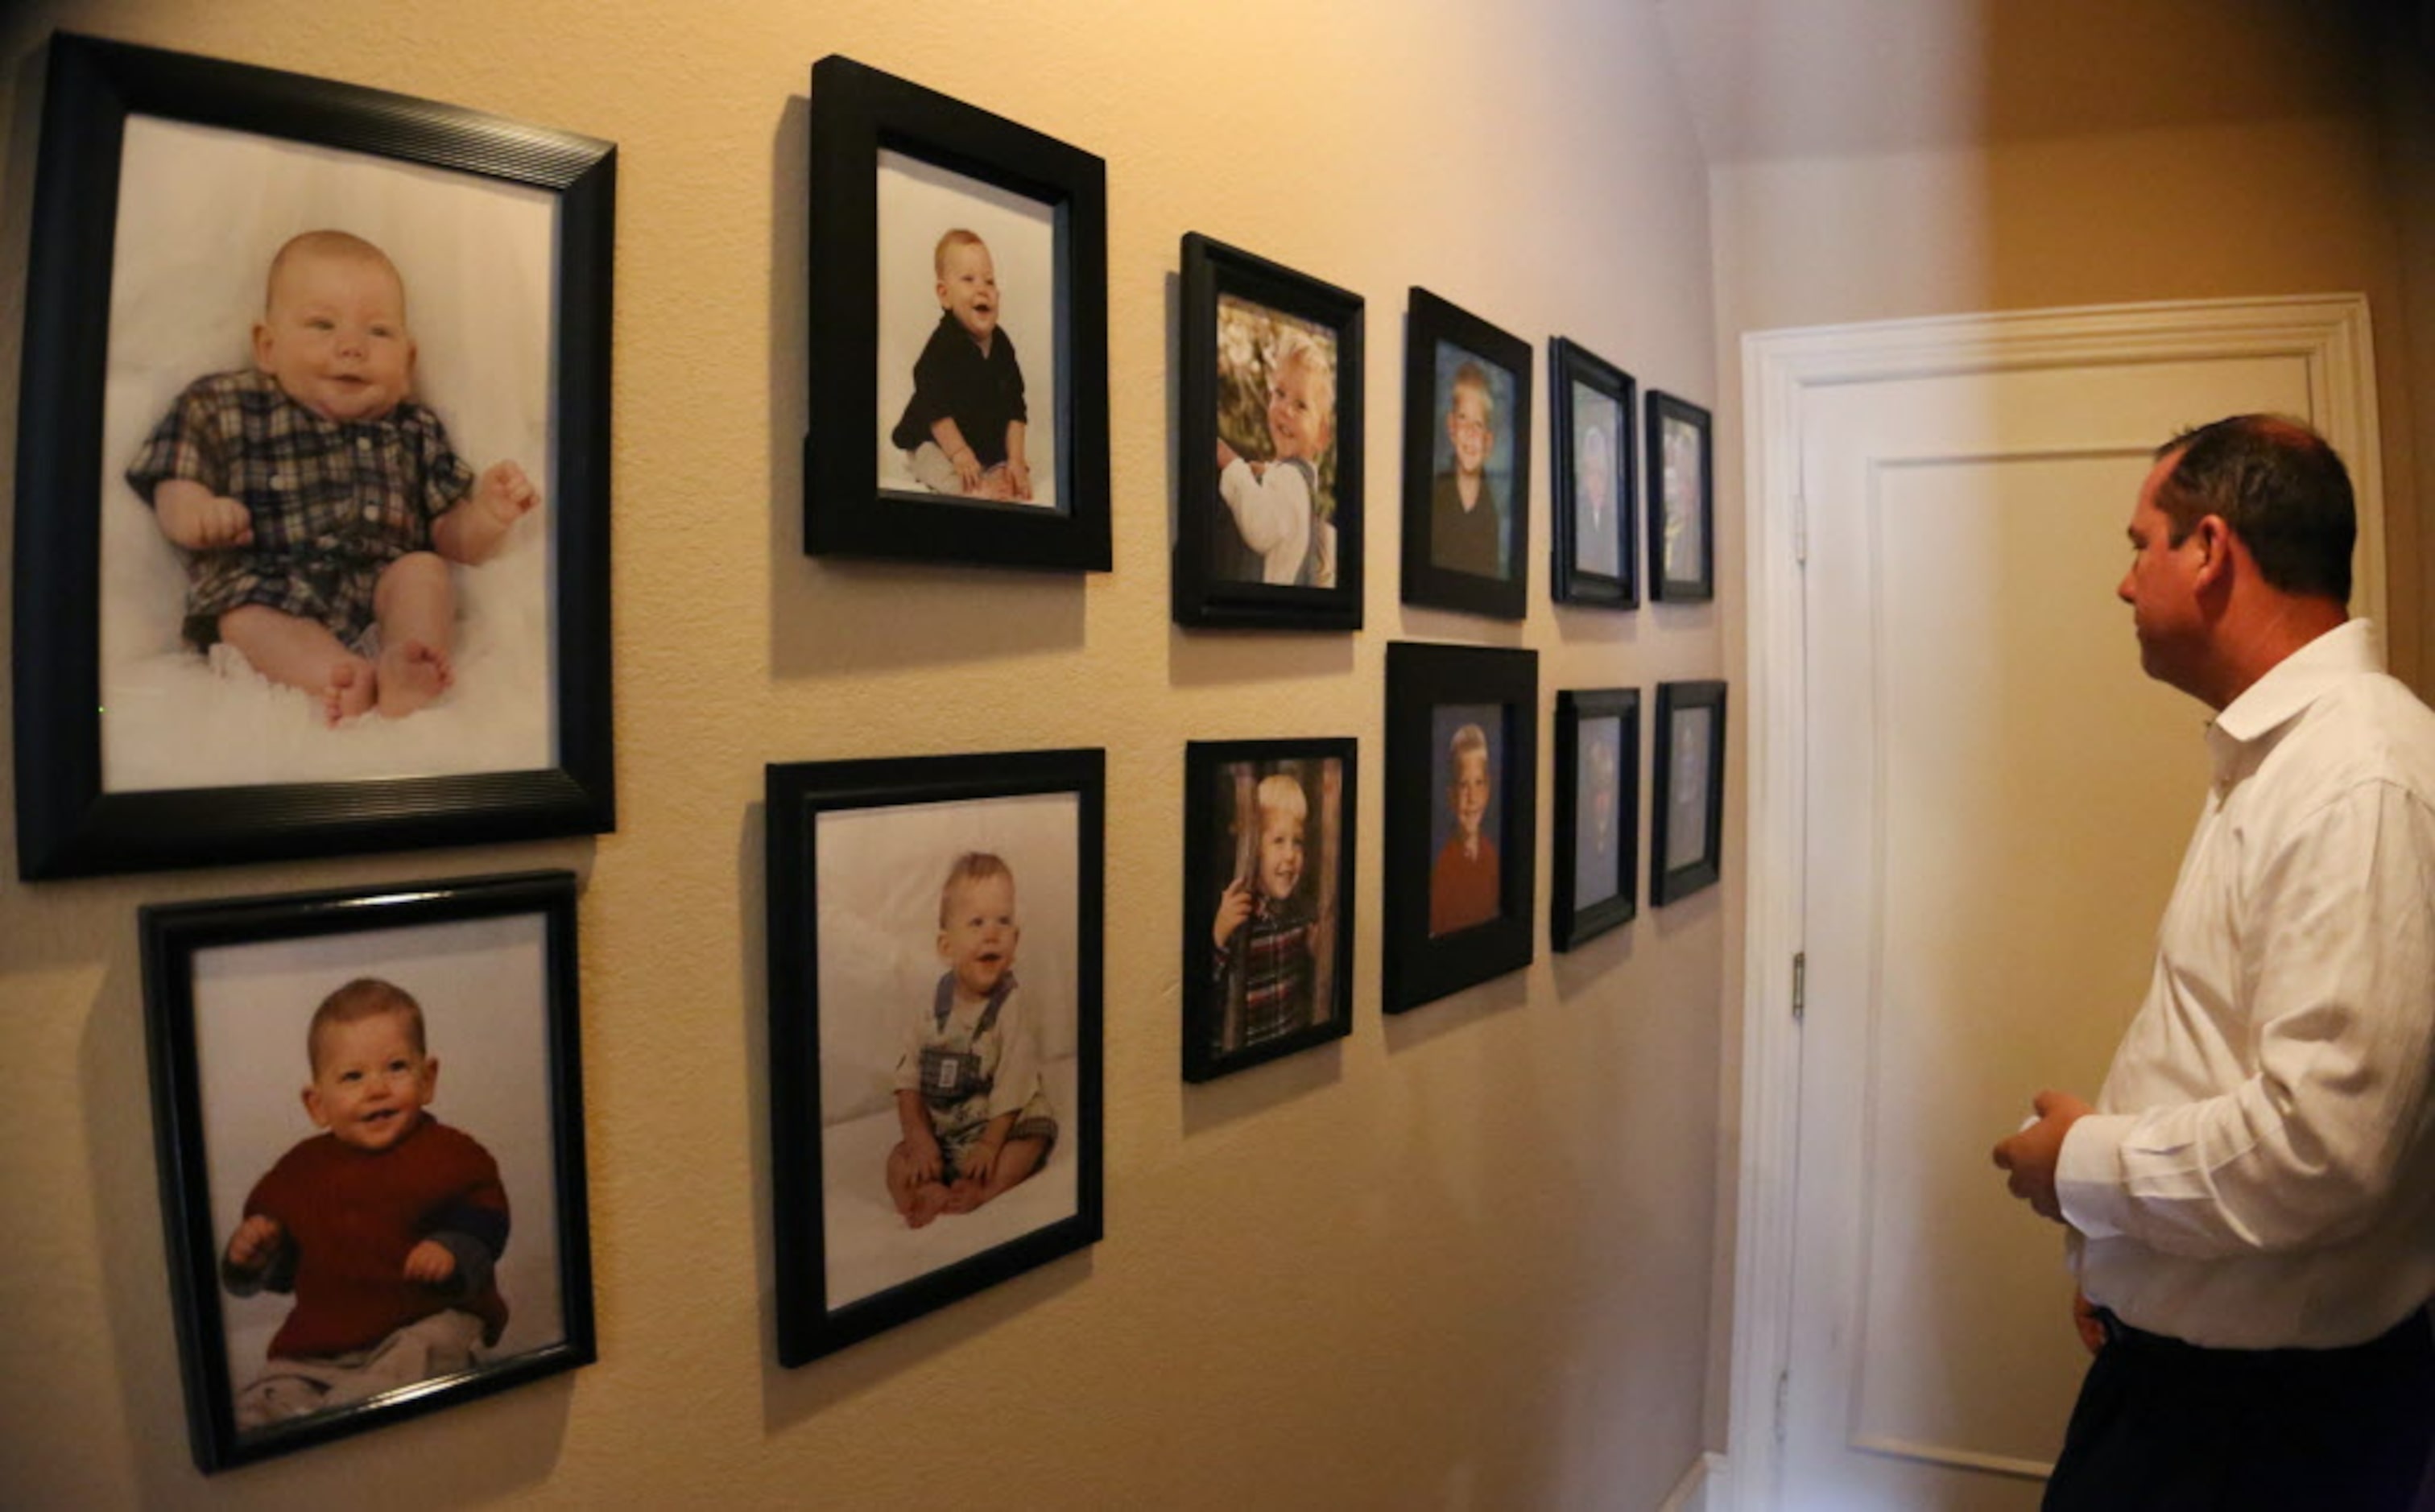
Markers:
{"x": 2282, "y": 489}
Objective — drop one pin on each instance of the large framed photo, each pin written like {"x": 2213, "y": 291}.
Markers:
{"x": 958, "y": 332}
{"x": 934, "y": 1031}
{"x": 1466, "y": 461}
{"x": 311, "y": 509}
{"x": 1269, "y": 513}
{"x": 1687, "y": 807}
{"x": 1597, "y": 555}
{"x": 355, "y": 1237}
{"x": 1597, "y": 813}
{"x": 1267, "y": 900}
{"x": 1463, "y": 751}
{"x": 1682, "y": 502}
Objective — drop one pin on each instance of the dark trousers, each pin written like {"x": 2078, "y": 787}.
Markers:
{"x": 2164, "y": 1426}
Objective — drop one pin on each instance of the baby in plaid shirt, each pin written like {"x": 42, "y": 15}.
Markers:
{"x": 317, "y": 506}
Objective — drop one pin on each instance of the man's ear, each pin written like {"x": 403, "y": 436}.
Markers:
{"x": 2214, "y": 540}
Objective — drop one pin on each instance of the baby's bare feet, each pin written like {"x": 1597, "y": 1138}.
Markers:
{"x": 350, "y": 691}
{"x": 929, "y": 1200}
{"x": 411, "y": 674}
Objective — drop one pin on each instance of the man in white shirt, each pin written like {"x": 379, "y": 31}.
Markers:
{"x": 2250, "y": 1200}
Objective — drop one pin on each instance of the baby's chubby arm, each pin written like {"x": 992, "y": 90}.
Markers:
{"x": 258, "y": 1256}
{"x": 473, "y": 529}
{"x": 950, "y": 437}
{"x": 1018, "y": 467}
{"x": 913, "y": 1119}
{"x": 198, "y": 519}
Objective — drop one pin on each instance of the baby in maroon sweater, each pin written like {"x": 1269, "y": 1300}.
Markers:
{"x": 386, "y": 1226}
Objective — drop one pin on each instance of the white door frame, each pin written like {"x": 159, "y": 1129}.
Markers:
{"x": 1780, "y": 368}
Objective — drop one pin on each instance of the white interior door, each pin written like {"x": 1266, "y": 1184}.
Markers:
{"x": 1993, "y": 802}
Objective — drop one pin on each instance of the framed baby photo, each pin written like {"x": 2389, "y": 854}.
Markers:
{"x": 935, "y": 1031}
{"x": 1597, "y": 813}
{"x": 1267, "y": 900}
{"x": 1597, "y": 555}
{"x": 958, "y": 342}
{"x": 1686, "y": 816}
{"x": 312, "y": 535}
{"x": 368, "y": 1108}
{"x": 1466, "y": 461}
{"x": 1268, "y": 514}
{"x": 1462, "y": 755}
{"x": 1682, "y": 490}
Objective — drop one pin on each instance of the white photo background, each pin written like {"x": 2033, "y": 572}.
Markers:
{"x": 919, "y": 203}
{"x": 483, "y": 986}
{"x": 876, "y": 890}
{"x": 201, "y": 211}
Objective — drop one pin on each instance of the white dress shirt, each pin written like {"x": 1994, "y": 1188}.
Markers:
{"x": 2260, "y": 1171}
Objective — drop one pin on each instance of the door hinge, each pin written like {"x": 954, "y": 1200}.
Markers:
{"x": 1800, "y": 985}
{"x": 1783, "y": 1402}
{"x": 1801, "y": 527}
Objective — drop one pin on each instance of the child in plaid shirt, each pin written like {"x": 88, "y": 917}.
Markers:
{"x": 1265, "y": 943}
{"x": 317, "y": 507}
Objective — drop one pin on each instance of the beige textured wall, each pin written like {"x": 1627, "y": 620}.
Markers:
{"x": 1464, "y": 1260}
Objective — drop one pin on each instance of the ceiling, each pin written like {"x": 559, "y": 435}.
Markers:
{"x": 1778, "y": 79}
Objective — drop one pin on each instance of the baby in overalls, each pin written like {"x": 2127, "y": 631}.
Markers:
{"x": 968, "y": 1097}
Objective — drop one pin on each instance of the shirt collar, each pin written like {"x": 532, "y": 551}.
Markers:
{"x": 2291, "y": 685}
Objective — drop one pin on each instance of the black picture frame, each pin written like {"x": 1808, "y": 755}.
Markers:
{"x": 1687, "y": 807}
{"x": 1227, "y": 809}
{"x": 858, "y": 115}
{"x": 1682, "y": 501}
{"x": 1597, "y": 552}
{"x": 1238, "y": 310}
{"x": 231, "y": 988}
{"x": 72, "y": 817}
{"x": 1439, "y": 337}
{"x": 1595, "y": 886}
{"x": 1436, "y": 940}
{"x": 857, "y": 851}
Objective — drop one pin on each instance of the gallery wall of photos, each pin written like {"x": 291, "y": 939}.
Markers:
{"x": 1271, "y": 641}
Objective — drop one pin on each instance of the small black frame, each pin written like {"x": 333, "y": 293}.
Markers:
{"x": 857, "y": 851}
{"x": 1604, "y": 848}
{"x": 1681, "y": 502}
{"x": 68, "y": 823}
{"x": 1224, "y": 830}
{"x": 1228, "y": 292}
{"x": 1425, "y": 958}
{"x": 856, "y": 114}
{"x": 1687, "y": 807}
{"x": 491, "y": 962}
{"x": 1437, "y": 335}
{"x": 1596, "y": 560}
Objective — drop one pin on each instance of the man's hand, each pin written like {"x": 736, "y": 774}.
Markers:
{"x": 2083, "y": 1319}
{"x": 2031, "y": 1154}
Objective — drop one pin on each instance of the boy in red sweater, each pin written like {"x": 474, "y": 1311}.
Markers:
{"x": 385, "y": 1227}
